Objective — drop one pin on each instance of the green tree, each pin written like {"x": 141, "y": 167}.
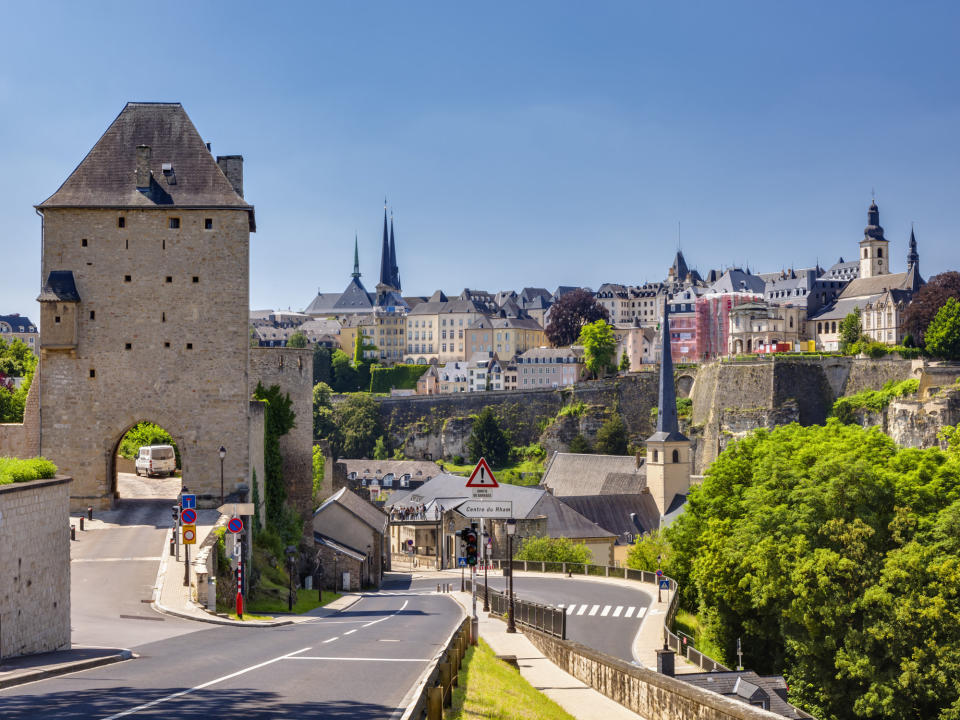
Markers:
{"x": 942, "y": 337}
{"x": 488, "y": 440}
{"x": 358, "y": 422}
{"x": 380, "y": 451}
{"x": 599, "y": 346}
{"x": 318, "y": 467}
{"x": 322, "y": 365}
{"x": 143, "y": 434}
{"x": 279, "y": 419}
{"x": 651, "y": 552}
{"x": 570, "y": 313}
{"x": 297, "y": 340}
{"x": 16, "y": 361}
{"x": 579, "y": 445}
{"x": 324, "y": 424}
{"x": 612, "y": 436}
{"x": 850, "y": 330}
{"x": 624, "y": 362}
{"x": 546, "y": 549}
{"x": 926, "y": 302}
{"x": 345, "y": 377}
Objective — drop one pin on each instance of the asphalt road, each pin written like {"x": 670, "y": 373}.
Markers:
{"x": 603, "y": 616}
{"x": 360, "y": 663}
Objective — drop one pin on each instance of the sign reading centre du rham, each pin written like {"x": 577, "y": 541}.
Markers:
{"x": 481, "y": 480}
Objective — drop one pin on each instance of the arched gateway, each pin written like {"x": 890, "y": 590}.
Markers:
{"x": 144, "y": 308}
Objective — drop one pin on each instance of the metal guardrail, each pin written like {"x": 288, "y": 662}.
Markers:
{"x": 545, "y": 618}
{"x": 437, "y": 690}
{"x": 669, "y": 637}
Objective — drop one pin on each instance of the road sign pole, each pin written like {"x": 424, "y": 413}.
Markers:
{"x": 486, "y": 561}
{"x": 186, "y": 566}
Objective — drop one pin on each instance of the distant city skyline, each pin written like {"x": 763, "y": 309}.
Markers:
{"x": 534, "y": 145}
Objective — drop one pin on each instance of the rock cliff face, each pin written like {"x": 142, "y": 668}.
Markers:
{"x": 730, "y": 399}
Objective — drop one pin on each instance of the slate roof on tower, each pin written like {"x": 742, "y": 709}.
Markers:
{"x": 668, "y": 429}
{"x": 106, "y": 177}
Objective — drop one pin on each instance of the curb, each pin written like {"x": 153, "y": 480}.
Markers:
{"x": 64, "y": 669}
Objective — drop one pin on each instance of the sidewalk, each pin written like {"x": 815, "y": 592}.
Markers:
{"x": 172, "y": 597}
{"x": 30, "y": 668}
{"x": 578, "y": 699}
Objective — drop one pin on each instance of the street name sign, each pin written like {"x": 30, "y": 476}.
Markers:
{"x": 235, "y": 525}
{"x": 237, "y": 509}
{"x": 487, "y": 509}
{"x": 189, "y": 534}
{"x": 482, "y": 477}
{"x": 188, "y": 516}
{"x": 188, "y": 501}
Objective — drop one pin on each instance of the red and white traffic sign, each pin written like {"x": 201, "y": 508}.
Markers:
{"x": 482, "y": 476}
{"x": 188, "y": 516}
{"x": 235, "y": 525}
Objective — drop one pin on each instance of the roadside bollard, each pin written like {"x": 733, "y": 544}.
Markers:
{"x": 173, "y": 547}
{"x": 81, "y": 523}
{"x": 73, "y": 532}
{"x": 89, "y": 512}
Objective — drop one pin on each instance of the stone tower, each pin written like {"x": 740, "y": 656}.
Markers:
{"x": 145, "y": 304}
{"x": 874, "y": 248}
{"x": 668, "y": 450}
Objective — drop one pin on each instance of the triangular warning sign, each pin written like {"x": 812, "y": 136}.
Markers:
{"x": 482, "y": 476}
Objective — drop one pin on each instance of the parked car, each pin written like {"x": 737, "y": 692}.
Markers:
{"x": 156, "y": 460}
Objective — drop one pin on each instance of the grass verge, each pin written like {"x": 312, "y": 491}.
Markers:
{"x": 306, "y": 600}
{"x": 489, "y": 689}
{"x": 689, "y": 623}
{"x": 249, "y": 616}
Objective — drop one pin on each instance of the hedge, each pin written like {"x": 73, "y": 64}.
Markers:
{"x": 401, "y": 377}
{"x": 14, "y": 470}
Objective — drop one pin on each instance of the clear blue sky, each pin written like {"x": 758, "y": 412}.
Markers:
{"x": 519, "y": 143}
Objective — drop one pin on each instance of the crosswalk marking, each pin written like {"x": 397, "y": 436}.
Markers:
{"x": 611, "y": 611}
{"x": 593, "y": 610}
{"x": 606, "y": 611}
{"x": 618, "y": 610}
{"x": 570, "y": 609}
{"x": 641, "y": 611}
{"x": 582, "y": 609}
{"x": 629, "y": 612}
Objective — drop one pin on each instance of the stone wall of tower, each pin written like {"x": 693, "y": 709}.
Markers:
{"x": 666, "y": 478}
{"x": 162, "y": 336}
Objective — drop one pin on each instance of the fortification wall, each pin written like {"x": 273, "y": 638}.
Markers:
{"x": 292, "y": 370}
{"x": 22, "y": 440}
{"x": 35, "y": 567}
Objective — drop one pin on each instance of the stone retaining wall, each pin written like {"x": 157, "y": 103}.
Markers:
{"x": 22, "y": 440}
{"x": 34, "y": 567}
{"x": 650, "y": 694}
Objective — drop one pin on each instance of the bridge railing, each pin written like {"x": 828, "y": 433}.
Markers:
{"x": 645, "y": 576}
{"x": 545, "y": 618}
{"x": 435, "y": 691}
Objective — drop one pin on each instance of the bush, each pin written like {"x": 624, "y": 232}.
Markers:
{"x": 577, "y": 409}
{"x": 612, "y": 436}
{"x": 873, "y": 400}
{"x": 14, "y": 470}
{"x": 579, "y": 445}
{"x": 546, "y": 549}
{"x": 401, "y": 377}
{"x": 144, "y": 434}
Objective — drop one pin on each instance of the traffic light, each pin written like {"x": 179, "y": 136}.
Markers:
{"x": 470, "y": 539}
{"x": 176, "y": 514}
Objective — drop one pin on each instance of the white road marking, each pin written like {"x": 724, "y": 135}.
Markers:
{"x": 331, "y": 640}
{"x": 359, "y": 659}
{"x": 374, "y": 622}
{"x": 618, "y": 610}
{"x": 640, "y": 612}
{"x": 571, "y": 609}
{"x": 117, "y": 559}
{"x": 582, "y": 609}
{"x": 629, "y": 612}
{"x": 606, "y": 610}
{"x": 172, "y": 696}
{"x": 593, "y": 610}
{"x": 350, "y": 632}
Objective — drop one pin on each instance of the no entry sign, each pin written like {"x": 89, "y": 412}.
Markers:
{"x": 188, "y": 516}
{"x": 235, "y": 525}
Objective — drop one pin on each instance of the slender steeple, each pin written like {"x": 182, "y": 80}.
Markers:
{"x": 913, "y": 257}
{"x": 394, "y": 270}
{"x": 667, "y": 426}
{"x": 356, "y": 258}
{"x": 385, "y": 266}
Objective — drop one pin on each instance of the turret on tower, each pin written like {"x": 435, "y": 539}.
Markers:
{"x": 874, "y": 248}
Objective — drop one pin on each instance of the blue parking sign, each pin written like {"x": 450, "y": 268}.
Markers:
{"x": 188, "y": 502}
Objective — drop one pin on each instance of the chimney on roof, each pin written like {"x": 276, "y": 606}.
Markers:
{"x": 143, "y": 166}
{"x": 232, "y": 167}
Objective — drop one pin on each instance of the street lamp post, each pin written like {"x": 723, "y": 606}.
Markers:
{"x": 511, "y": 531}
{"x": 291, "y": 555}
{"x": 486, "y": 561}
{"x": 223, "y": 454}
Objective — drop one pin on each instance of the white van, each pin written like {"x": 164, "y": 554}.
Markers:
{"x": 156, "y": 460}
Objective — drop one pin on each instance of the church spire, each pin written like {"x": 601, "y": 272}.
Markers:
{"x": 385, "y": 267}
{"x": 356, "y": 258}
{"x": 394, "y": 270}
{"x": 667, "y": 425}
{"x": 913, "y": 257}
